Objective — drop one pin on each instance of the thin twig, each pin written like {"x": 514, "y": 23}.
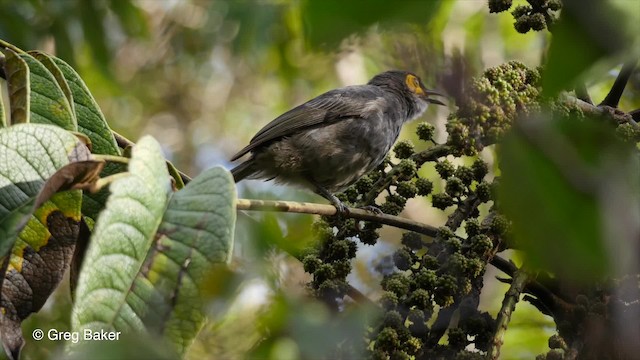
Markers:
{"x": 468, "y": 206}
{"x": 321, "y": 209}
{"x": 511, "y": 298}
{"x": 613, "y": 97}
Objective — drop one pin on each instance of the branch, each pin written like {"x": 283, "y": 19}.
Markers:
{"x": 618, "y": 116}
{"x": 329, "y": 210}
{"x": 613, "y": 97}
{"x": 546, "y": 300}
{"x": 462, "y": 212}
{"x": 511, "y": 298}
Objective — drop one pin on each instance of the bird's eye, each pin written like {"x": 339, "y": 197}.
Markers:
{"x": 414, "y": 84}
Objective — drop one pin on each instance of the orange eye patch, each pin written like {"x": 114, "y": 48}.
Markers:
{"x": 414, "y": 84}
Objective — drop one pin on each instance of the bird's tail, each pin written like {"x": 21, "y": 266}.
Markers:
{"x": 243, "y": 170}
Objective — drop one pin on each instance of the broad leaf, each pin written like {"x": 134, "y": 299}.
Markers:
{"x": 588, "y": 31}
{"x": 329, "y": 21}
{"x": 17, "y": 73}
{"x": 122, "y": 237}
{"x": 576, "y": 173}
{"x": 92, "y": 123}
{"x": 42, "y": 233}
{"x": 45, "y": 100}
{"x": 196, "y": 233}
{"x": 153, "y": 279}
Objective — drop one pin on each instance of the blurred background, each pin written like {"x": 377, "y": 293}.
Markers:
{"x": 203, "y": 76}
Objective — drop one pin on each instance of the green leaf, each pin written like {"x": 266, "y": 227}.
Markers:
{"x": 122, "y": 237}
{"x": 42, "y": 233}
{"x": 29, "y": 155}
{"x": 327, "y": 22}
{"x": 574, "y": 173}
{"x": 48, "y": 103}
{"x": 126, "y": 347}
{"x": 91, "y": 121}
{"x": 57, "y": 74}
{"x": 17, "y": 73}
{"x": 582, "y": 38}
{"x": 196, "y": 233}
{"x": 132, "y": 18}
{"x": 164, "y": 293}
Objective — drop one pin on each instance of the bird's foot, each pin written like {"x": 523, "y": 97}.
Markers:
{"x": 341, "y": 208}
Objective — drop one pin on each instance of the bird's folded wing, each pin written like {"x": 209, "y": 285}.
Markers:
{"x": 330, "y": 107}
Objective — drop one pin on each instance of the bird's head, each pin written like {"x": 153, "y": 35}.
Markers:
{"x": 409, "y": 84}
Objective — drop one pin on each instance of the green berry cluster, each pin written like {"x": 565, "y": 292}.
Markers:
{"x": 330, "y": 260}
{"x": 537, "y": 15}
{"x": 438, "y": 276}
{"x": 629, "y": 132}
{"x": 494, "y": 101}
{"x": 460, "y": 182}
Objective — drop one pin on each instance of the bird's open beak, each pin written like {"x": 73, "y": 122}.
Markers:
{"x": 434, "y": 101}
{"x": 433, "y": 92}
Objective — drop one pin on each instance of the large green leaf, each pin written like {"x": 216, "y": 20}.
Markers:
{"x": 17, "y": 73}
{"x": 588, "y": 31}
{"x": 91, "y": 121}
{"x": 161, "y": 288}
{"x": 122, "y": 237}
{"x": 47, "y": 101}
{"x": 329, "y": 21}
{"x": 93, "y": 124}
{"x": 196, "y": 233}
{"x": 29, "y": 155}
{"x": 581, "y": 195}
{"x": 42, "y": 233}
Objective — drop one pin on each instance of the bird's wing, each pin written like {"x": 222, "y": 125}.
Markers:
{"x": 330, "y": 107}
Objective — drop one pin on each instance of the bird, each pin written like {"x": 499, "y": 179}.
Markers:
{"x": 332, "y": 140}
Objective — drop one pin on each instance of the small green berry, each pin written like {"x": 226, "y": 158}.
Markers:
{"x": 425, "y": 131}
{"x": 412, "y": 240}
{"x": 403, "y": 258}
{"x": 483, "y": 191}
{"x": 403, "y": 149}
{"x": 445, "y": 169}
{"x": 472, "y": 227}
{"x": 454, "y": 187}
{"x": 408, "y": 168}
{"x": 496, "y": 6}
{"x": 406, "y": 189}
{"x": 423, "y": 186}
{"x": 441, "y": 201}
{"x": 480, "y": 169}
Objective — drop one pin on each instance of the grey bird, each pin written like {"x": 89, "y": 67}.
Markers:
{"x": 329, "y": 142}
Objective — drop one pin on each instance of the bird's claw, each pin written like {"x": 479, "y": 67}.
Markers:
{"x": 341, "y": 208}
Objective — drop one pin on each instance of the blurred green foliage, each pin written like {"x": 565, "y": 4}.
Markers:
{"x": 203, "y": 76}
